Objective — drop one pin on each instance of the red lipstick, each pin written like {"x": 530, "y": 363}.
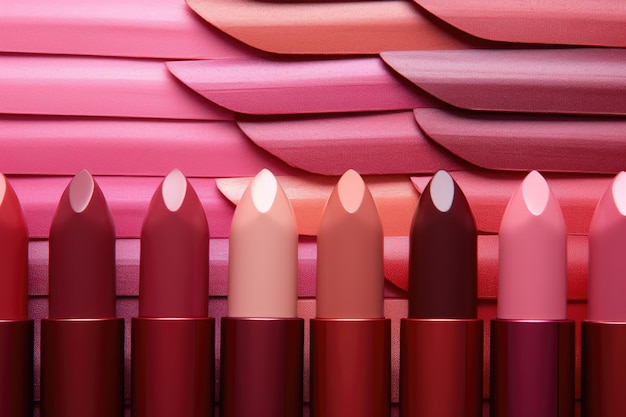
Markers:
{"x": 441, "y": 343}
{"x": 16, "y": 330}
{"x": 350, "y": 338}
{"x": 262, "y": 339}
{"x": 173, "y": 346}
{"x": 532, "y": 342}
{"x": 82, "y": 342}
{"x": 604, "y": 333}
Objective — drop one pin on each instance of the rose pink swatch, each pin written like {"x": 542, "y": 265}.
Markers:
{"x": 141, "y": 29}
{"x": 257, "y": 86}
{"x": 522, "y": 142}
{"x": 88, "y": 86}
{"x": 577, "y": 22}
{"x": 576, "y": 81}
{"x": 372, "y": 144}
{"x": 146, "y": 147}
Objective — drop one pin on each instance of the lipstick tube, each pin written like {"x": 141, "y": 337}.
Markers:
{"x": 16, "y": 330}
{"x": 173, "y": 346}
{"x": 82, "y": 343}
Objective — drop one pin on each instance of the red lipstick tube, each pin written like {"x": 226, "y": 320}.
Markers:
{"x": 16, "y": 368}
{"x": 532, "y": 368}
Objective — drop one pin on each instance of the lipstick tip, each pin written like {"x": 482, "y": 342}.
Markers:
{"x": 351, "y": 190}
{"x": 174, "y": 190}
{"x": 3, "y": 187}
{"x": 81, "y": 190}
{"x": 264, "y": 188}
{"x": 442, "y": 191}
{"x": 619, "y": 192}
{"x": 535, "y": 192}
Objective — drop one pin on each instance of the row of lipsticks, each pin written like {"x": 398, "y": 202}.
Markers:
{"x": 261, "y": 372}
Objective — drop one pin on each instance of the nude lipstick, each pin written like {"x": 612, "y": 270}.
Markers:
{"x": 82, "y": 342}
{"x": 262, "y": 338}
{"x": 604, "y": 332}
{"x": 16, "y": 330}
{"x": 350, "y": 338}
{"x": 532, "y": 342}
{"x": 173, "y": 339}
{"x": 441, "y": 342}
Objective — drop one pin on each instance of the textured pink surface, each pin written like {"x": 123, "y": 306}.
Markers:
{"x": 578, "y": 22}
{"x": 577, "y": 81}
{"x": 65, "y": 145}
{"x": 488, "y": 194}
{"x": 257, "y": 86}
{"x": 144, "y": 28}
{"x": 521, "y": 142}
{"x": 128, "y": 198}
{"x": 87, "y": 86}
{"x": 376, "y": 143}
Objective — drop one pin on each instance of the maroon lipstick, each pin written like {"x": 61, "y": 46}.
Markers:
{"x": 173, "y": 346}
{"x": 441, "y": 342}
{"x": 82, "y": 342}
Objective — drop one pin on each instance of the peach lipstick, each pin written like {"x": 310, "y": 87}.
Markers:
{"x": 350, "y": 338}
{"x": 16, "y": 330}
{"x": 532, "y": 342}
{"x": 173, "y": 344}
{"x": 262, "y": 337}
{"x": 82, "y": 342}
{"x": 441, "y": 342}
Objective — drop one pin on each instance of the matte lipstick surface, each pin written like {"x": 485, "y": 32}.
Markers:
{"x": 532, "y": 342}
{"x": 262, "y": 339}
{"x": 16, "y": 330}
{"x": 604, "y": 332}
{"x": 442, "y": 340}
{"x": 350, "y": 338}
{"x": 173, "y": 340}
{"x": 82, "y": 343}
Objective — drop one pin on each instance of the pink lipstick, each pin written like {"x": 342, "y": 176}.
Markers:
{"x": 262, "y": 337}
{"x": 441, "y": 342}
{"x": 16, "y": 330}
{"x": 82, "y": 342}
{"x": 604, "y": 332}
{"x": 350, "y": 338}
{"x": 532, "y": 342}
{"x": 173, "y": 339}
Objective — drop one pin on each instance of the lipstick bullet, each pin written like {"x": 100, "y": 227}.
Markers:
{"x": 82, "y": 342}
{"x": 16, "y": 330}
{"x": 441, "y": 342}
{"x": 173, "y": 339}
{"x": 532, "y": 342}
{"x": 604, "y": 332}
{"x": 350, "y": 338}
{"x": 262, "y": 337}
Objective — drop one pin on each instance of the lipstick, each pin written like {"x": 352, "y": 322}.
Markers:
{"x": 16, "y": 330}
{"x": 441, "y": 342}
{"x": 173, "y": 339}
{"x": 350, "y": 338}
{"x": 262, "y": 337}
{"x": 604, "y": 332}
{"x": 82, "y": 342}
{"x": 532, "y": 342}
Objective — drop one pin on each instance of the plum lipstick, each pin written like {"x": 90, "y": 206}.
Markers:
{"x": 262, "y": 338}
{"x": 173, "y": 344}
{"x": 16, "y": 330}
{"x": 604, "y": 331}
{"x": 441, "y": 342}
{"x": 350, "y": 338}
{"x": 532, "y": 342}
{"x": 82, "y": 342}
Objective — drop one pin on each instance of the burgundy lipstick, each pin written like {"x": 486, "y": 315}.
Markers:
{"x": 16, "y": 330}
{"x": 441, "y": 342}
{"x": 82, "y": 342}
{"x": 173, "y": 342}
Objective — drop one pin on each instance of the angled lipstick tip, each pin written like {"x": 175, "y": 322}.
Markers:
{"x": 81, "y": 190}
{"x": 442, "y": 191}
{"x": 174, "y": 190}
{"x": 618, "y": 190}
{"x": 536, "y": 193}
{"x": 3, "y": 187}
{"x": 351, "y": 189}
{"x": 264, "y": 189}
